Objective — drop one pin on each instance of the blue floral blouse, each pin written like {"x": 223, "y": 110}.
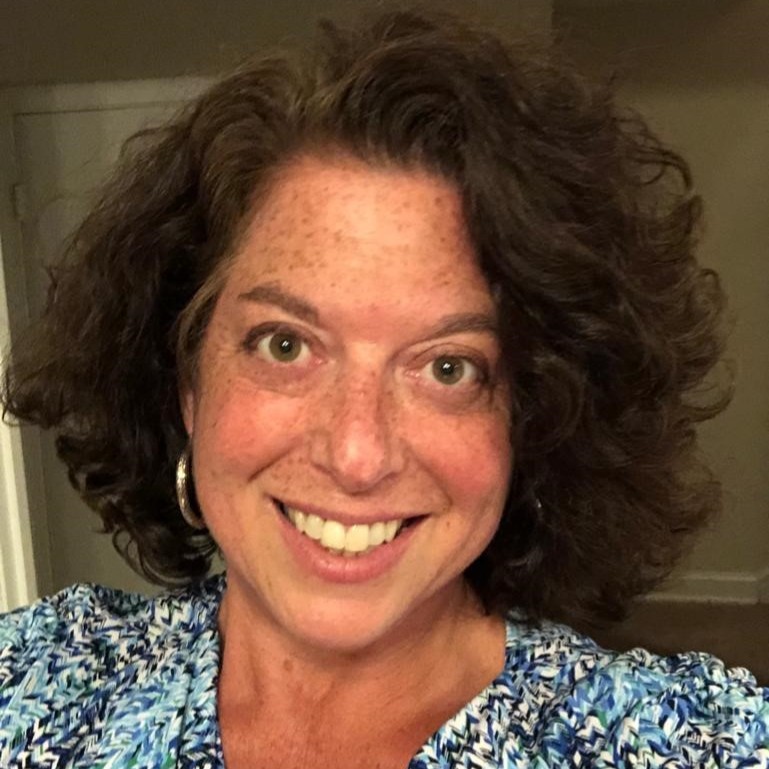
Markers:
{"x": 97, "y": 678}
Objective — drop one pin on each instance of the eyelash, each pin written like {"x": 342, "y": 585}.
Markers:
{"x": 259, "y": 334}
{"x": 479, "y": 374}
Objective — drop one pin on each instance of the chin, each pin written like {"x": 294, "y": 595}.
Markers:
{"x": 347, "y": 626}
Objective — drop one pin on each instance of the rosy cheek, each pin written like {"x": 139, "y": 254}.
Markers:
{"x": 245, "y": 429}
{"x": 473, "y": 457}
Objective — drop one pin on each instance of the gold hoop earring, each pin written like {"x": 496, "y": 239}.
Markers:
{"x": 183, "y": 473}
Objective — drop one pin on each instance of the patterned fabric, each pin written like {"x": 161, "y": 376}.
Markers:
{"x": 93, "y": 677}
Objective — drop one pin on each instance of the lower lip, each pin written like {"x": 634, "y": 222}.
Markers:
{"x": 330, "y": 567}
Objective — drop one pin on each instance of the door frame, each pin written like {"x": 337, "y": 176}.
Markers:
{"x": 25, "y": 572}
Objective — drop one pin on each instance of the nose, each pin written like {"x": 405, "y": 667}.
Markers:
{"x": 356, "y": 440}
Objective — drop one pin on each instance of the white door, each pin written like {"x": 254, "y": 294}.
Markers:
{"x": 66, "y": 139}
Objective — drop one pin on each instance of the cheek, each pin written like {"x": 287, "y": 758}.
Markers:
{"x": 240, "y": 429}
{"x": 473, "y": 459}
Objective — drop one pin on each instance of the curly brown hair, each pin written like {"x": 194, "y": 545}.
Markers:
{"x": 582, "y": 221}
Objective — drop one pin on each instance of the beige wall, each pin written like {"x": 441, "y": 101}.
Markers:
{"x": 699, "y": 70}
{"x": 64, "y": 41}
{"x": 78, "y": 41}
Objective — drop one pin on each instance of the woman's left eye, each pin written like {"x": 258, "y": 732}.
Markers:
{"x": 283, "y": 347}
{"x": 453, "y": 371}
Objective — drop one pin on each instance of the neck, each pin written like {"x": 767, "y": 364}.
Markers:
{"x": 261, "y": 663}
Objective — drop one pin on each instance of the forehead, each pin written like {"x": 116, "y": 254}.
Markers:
{"x": 347, "y": 225}
{"x": 360, "y": 197}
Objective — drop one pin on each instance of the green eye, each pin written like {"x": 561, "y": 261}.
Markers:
{"x": 282, "y": 346}
{"x": 449, "y": 371}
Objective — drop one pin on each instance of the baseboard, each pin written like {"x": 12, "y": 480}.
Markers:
{"x": 715, "y": 587}
{"x": 763, "y": 587}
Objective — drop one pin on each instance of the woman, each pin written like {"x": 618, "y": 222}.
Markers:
{"x": 410, "y": 328}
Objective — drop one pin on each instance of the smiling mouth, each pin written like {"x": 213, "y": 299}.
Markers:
{"x": 348, "y": 541}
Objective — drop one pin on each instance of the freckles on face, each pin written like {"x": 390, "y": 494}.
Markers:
{"x": 474, "y": 453}
{"x": 327, "y": 219}
{"x": 350, "y": 368}
{"x": 374, "y": 260}
{"x": 246, "y": 425}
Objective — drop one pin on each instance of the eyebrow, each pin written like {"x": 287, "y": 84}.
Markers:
{"x": 464, "y": 322}
{"x": 268, "y": 293}
{"x": 458, "y": 323}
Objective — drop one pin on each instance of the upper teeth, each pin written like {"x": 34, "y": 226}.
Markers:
{"x": 333, "y": 535}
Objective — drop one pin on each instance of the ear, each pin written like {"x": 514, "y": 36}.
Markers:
{"x": 187, "y": 402}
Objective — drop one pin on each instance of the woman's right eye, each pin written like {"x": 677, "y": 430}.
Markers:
{"x": 283, "y": 347}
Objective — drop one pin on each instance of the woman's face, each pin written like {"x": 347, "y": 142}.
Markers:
{"x": 349, "y": 390}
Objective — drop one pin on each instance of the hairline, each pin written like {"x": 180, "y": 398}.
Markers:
{"x": 204, "y": 300}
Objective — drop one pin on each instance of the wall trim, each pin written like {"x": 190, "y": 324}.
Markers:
{"x": 763, "y": 587}
{"x": 18, "y": 579}
{"x": 715, "y": 587}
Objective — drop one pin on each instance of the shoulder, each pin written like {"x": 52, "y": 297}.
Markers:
{"x": 94, "y": 622}
{"x": 601, "y": 708}
{"x": 561, "y": 700}
{"x": 87, "y": 648}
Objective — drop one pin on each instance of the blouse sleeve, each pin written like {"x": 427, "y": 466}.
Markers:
{"x": 687, "y": 710}
{"x": 9, "y": 649}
